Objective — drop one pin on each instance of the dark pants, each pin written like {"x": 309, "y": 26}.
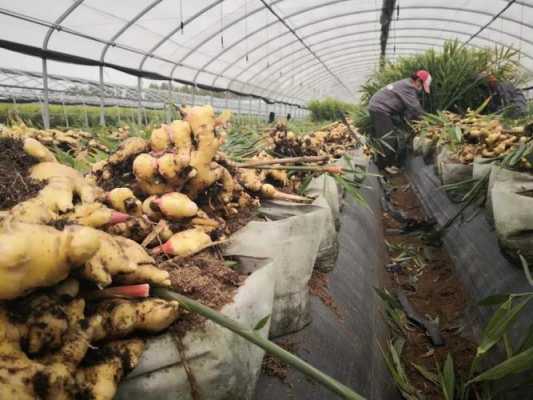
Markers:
{"x": 382, "y": 125}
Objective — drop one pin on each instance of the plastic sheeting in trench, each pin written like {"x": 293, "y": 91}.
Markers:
{"x": 225, "y": 366}
{"x": 473, "y": 247}
{"x": 345, "y": 348}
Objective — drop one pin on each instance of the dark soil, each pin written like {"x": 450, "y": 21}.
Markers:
{"x": 318, "y": 286}
{"x": 122, "y": 175}
{"x": 205, "y": 278}
{"x": 273, "y": 366}
{"x": 433, "y": 290}
{"x": 15, "y": 184}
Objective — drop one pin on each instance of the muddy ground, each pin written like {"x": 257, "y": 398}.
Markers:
{"x": 425, "y": 273}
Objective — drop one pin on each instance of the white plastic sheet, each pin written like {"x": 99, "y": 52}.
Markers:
{"x": 224, "y": 365}
{"x": 291, "y": 238}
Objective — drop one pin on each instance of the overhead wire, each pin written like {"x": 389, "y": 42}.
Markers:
{"x": 282, "y": 20}
{"x": 494, "y": 18}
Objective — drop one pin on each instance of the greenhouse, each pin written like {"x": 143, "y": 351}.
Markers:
{"x": 266, "y": 199}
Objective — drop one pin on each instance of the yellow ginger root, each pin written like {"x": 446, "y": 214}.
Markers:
{"x": 251, "y": 179}
{"x": 145, "y": 273}
{"x": 49, "y": 320}
{"x": 123, "y": 199}
{"x": 175, "y": 205}
{"x": 204, "y": 223}
{"x": 151, "y": 209}
{"x": 145, "y": 167}
{"x": 184, "y": 243}
{"x": 202, "y": 122}
{"x": 95, "y": 215}
{"x": 32, "y": 211}
{"x": 155, "y": 187}
{"x": 101, "y": 374}
{"x": 181, "y": 138}
{"x": 127, "y": 149}
{"x": 38, "y": 151}
{"x": 49, "y": 378}
{"x": 120, "y": 317}
{"x": 135, "y": 228}
{"x": 160, "y": 139}
{"x": 279, "y": 176}
{"x": 116, "y": 255}
{"x": 228, "y": 186}
{"x": 33, "y": 256}
{"x": 175, "y": 170}
{"x": 63, "y": 181}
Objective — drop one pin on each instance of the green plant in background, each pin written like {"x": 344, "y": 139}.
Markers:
{"x": 329, "y": 109}
{"x": 456, "y": 73}
{"x": 77, "y": 116}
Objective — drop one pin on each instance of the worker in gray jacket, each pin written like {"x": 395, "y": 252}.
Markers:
{"x": 396, "y": 101}
{"x": 506, "y": 98}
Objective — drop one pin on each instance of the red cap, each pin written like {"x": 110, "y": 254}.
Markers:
{"x": 425, "y": 77}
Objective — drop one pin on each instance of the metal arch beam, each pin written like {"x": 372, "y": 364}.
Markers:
{"x": 523, "y": 4}
{"x": 302, "y": 41}
{"x": 266, "y": 26}
{"x": 358, "y": 12}
{"x": 344, "y": 49}
{"x": 347, "y": 67}
{"x": 351, "y": 62}
{"x": 437, "y": 30}
{"x": 130, "y": 23}
{"x": 111, "y": 43}
{"x": 356, "y": 52}
{"x": 360, "y": 68}
{"x": 57, "y": 23}
{"x": 150, "y": 53}
{"x": 219, "y": 31}
{"x": 73, "y": 32}
{"x": 46, "y": 40}
{"x": 336, "y": 48}
{"x": 370, "y": 31}
{"x": 370, "y": 61}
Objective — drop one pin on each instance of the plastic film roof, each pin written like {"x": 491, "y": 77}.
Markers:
{"x": 285, "y": 50}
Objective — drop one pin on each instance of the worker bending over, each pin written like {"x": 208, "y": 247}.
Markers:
{"x": 506, "y": 98}
{"x": 389, "y": 106}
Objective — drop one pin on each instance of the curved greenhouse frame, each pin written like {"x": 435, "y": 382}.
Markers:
{"x": 277, "y": 51}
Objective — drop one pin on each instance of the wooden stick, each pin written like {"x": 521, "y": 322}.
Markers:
{"x": 255, "y": 163}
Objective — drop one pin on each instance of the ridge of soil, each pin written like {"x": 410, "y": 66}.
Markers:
{"x": 15, "y": 184}
{"x": 432, "y": 288}
{"x": 203, "y": 277}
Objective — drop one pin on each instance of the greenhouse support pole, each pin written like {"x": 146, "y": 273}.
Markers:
{"x": 85, "y": 115}
{"x": 119, "y": 117}
{"x": 140, "y": 105}
{"x": 102, "y": 107}
{"x": 65, "y": 115}
{"x": 45, "y": 108}
{"x": 194, "y": 94}
{"x": 170, "y": 101}
{"x": 226, "y": 100}
{"x": 15, "y": 106}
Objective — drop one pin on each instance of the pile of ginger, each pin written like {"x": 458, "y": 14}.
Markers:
{"x": 63, "y": 335}
{"x": 333, "y": 140}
